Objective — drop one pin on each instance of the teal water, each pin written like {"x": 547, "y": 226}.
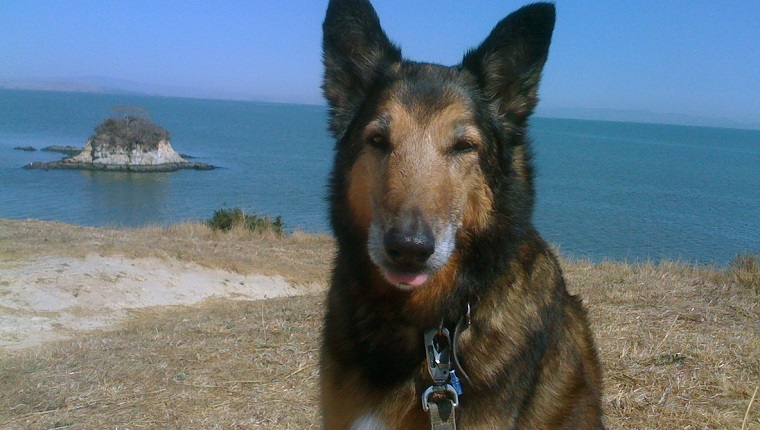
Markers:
{"x": 606, "y": 190}
{"x": 273, "y": 159}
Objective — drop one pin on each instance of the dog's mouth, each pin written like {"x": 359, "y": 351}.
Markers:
{"x": 406, "y": 280}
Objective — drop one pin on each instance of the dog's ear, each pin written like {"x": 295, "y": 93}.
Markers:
{"x": 508, "y": 63}
{"x": 355, "y": 52}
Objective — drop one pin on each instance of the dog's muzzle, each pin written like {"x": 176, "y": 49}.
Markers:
{"x": 407, "y": 250}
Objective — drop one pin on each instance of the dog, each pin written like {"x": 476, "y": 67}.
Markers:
{"x": 446, "y": 308}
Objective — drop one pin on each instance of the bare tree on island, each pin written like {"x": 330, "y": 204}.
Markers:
{"x": 130, "y": 112}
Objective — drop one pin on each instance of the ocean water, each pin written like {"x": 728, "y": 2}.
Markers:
{"x": 606, "y": 190}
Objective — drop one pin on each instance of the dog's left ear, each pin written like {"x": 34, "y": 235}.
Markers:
{"x": 356, "y": 52}
{"x": 509, "y": 62}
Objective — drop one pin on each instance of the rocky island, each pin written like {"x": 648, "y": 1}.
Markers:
{"x": 25, "y": 148}
{"x": 131, "y": 144}
{"x": 63, "y": 149}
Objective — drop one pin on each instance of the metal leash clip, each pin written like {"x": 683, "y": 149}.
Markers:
{"x": 440, "y": 390}
{"x": 438, "y": 352}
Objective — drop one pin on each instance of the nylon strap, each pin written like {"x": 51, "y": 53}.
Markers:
{"x": 442, "y": 415}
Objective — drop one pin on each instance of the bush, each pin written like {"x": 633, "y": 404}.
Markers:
{"x": 130, "y": 132}
{"x": 227, "y": 219}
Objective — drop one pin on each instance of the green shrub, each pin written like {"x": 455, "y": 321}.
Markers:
{"x": 226, "y": 219}
{"x": 130, "y": 132}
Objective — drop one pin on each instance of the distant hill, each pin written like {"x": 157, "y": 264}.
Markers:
{"x": 101, "y": 85}
{"x": 631, "y": 115}
{"x": 66, "y": 85}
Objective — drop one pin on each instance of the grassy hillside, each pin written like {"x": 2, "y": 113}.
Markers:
{"x": 680, "y": 344}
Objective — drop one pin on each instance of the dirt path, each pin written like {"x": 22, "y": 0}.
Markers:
{"x": 50, "y": 298}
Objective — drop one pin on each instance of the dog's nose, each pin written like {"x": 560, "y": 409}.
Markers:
{"x": 409, "y": 248}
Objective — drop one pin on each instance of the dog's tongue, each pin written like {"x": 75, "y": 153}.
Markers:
{"x": 413, "y": 279}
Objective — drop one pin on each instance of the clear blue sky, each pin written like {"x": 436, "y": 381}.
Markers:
{"x": 694, "y": 57}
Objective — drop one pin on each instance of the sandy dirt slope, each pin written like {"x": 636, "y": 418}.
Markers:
{"x": 50, "y": 298}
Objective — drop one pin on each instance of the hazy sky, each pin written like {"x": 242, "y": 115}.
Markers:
{"x": 695, "y": 57}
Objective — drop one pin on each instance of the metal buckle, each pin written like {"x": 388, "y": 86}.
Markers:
{"x": 446, "y": 390}
{"x": 438, "y": 352}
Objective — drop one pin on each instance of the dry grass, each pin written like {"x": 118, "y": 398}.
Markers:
{"x": 680, "y": 344}
{"x": 300, "y": 258}
{"x": 223, "y": 365}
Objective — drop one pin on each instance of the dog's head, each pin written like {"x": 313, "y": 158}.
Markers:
{"x": 430, "y": 158}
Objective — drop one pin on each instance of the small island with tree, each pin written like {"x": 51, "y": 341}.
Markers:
{"x": 130, "y": 143}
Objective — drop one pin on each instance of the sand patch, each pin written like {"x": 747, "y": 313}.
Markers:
{"x": 49, "y": 298}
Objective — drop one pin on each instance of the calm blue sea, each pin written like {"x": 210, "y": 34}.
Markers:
{"x": 606, "y": 190}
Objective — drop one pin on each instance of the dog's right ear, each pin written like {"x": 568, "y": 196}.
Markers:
{"x": 355, "y": 52}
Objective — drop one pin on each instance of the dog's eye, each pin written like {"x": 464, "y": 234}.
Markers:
{"x": 462, "y": 146}
{"x": 379, "y": 141}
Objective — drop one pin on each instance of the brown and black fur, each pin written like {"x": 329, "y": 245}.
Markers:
{"x": 433, "y": 180}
